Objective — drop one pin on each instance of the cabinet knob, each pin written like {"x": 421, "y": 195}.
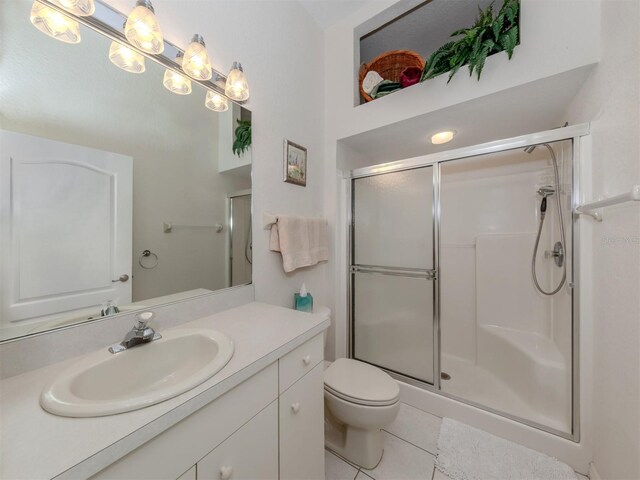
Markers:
{"x": 306, "y": 359}
{"x": 295, "y": 407}
{"x": 226, "y": 472}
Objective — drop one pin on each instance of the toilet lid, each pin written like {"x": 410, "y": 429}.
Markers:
{"x": 361, "y": 383}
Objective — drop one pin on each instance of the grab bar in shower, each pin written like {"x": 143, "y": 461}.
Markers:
{"x": 395, "y": 271}
{"x": 589, "y": 208}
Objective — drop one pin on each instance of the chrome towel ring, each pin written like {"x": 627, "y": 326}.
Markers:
{"x": 147, "y": 254}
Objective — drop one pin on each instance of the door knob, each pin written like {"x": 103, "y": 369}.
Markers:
{"x": 121, "y": 278}
{"x": 295, "y": 407}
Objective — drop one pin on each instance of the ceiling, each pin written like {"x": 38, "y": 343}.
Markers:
{"x": 328, "y": 12}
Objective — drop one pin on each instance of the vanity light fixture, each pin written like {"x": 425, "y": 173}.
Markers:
{"x": 126, "y": 58}
{"x": 216, "y": 102}
{"x": 142, "y": 28}
{"x": 196, "y": 62}
{"x": 175, "y": 82}
{"x": 54, "y": 23}
{"x": 443, "y": 137}
{"x": 82, "y": 8}
{"x": 237, "y": 87}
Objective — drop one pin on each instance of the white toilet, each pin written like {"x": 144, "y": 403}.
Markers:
{"x": 360, "y": 400}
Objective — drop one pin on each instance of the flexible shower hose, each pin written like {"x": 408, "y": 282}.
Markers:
{"x": 562, "y": 236}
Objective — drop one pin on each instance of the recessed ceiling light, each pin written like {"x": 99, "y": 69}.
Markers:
{"x": 443, "y": 137}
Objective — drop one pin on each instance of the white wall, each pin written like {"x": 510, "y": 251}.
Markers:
{"x": 282, "y": 52}
{"x": 610, "y": 100}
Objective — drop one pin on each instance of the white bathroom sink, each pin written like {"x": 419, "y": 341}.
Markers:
{"x": 103, "y": 383}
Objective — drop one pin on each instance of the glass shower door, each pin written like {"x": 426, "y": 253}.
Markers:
{"x": 393, "y": 272}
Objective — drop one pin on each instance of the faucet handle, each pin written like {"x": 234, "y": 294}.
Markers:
{"x": 142, "y": 320}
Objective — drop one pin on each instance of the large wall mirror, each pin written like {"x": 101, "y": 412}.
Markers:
{"x": 115, "y": 193}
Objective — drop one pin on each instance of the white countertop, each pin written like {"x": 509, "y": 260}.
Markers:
{"x": 35, "y": 444}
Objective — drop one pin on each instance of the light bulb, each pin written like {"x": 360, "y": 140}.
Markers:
{"x": 196, "y": 62}
{"x": 216, "y": 102}
{"x": 125, "y": 58}
{"x": 237, "y": 87}
{"x": 443, "y": 137}
{"x": 176, "y": 83}
{"x": 142, "y": 28}
{"x": 82, "y": 8}
{"x": 55, "y": 24}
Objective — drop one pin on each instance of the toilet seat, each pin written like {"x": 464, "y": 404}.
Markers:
{"x": 360, "y": 383}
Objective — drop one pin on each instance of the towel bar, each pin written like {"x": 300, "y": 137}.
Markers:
{"x": 167, "y": 227}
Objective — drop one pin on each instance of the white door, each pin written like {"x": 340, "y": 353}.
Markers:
{"x": 66, "y": 215}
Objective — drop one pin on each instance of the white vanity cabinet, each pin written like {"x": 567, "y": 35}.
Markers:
{"x": 268, "y": 427}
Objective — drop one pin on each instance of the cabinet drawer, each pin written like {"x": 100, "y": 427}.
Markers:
{"x": 297, "y": 363}
{"x": 302, "y": 428}
{"x": 251, "y": 453}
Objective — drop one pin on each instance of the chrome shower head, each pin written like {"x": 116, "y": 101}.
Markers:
{"x": 530, "y": 148}
{"x": 546, "y": 191}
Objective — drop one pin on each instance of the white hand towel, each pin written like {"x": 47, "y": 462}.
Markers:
{"x": 302, "y": 241}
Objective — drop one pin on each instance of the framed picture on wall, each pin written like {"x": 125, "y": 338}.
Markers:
{"x": 295, "y": 163}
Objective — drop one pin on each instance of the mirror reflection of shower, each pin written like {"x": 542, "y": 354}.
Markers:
{"x": 240, "y": 242}
{"x": 558, "y": 250}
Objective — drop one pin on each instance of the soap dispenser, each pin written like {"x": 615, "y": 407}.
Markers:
{"x": 303, "y": 301}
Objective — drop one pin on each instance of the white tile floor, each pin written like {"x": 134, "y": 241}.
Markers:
{"x": 409, "y": 451}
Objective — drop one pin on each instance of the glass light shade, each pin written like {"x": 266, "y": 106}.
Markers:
{"x": 237, "y": 87}
{"x": 196, "y": 62}
{"x": 55, "y": 24}
{"x": 125, "y": 58}
{"x": 142, "y": 28}
{"x": 176, "y": 83}
{"x": 216, "y": 102}
{"x": 82, "y": 8}
{"x": 443, "y": 137}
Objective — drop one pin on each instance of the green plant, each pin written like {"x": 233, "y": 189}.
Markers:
{"x": 243, "y": 137}
{"x": 487, "y": 36}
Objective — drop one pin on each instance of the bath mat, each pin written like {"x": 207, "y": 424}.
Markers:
{"x": 466, "y": 453}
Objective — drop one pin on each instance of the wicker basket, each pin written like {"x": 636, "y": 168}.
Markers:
{"x": 390, "y": 66}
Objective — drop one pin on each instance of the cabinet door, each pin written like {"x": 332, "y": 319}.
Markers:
{"x": 251, "y": 453}
{"x": 302, "y": 428}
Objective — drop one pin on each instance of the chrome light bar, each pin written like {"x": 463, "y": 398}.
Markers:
{"x": 109, "y": 22}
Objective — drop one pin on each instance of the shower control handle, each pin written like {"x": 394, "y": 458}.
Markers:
{"x": 557, "y": 254}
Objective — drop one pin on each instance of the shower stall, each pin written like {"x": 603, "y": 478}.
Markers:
{"x": 461, "y": 276}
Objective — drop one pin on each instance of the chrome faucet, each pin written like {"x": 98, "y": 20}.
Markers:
{"x": 109, "y": 308}
{"x": 140, "y": 334}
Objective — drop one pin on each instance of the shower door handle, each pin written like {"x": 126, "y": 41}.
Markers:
{"x": 428, "y": 274}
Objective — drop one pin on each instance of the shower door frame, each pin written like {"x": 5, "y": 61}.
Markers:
{"x": 406, "y": 272}
{"x": 230, "y": 197}
{"x": 573, "y": 133}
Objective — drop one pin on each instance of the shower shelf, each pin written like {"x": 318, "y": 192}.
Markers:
{"x": 589, "y": 208}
